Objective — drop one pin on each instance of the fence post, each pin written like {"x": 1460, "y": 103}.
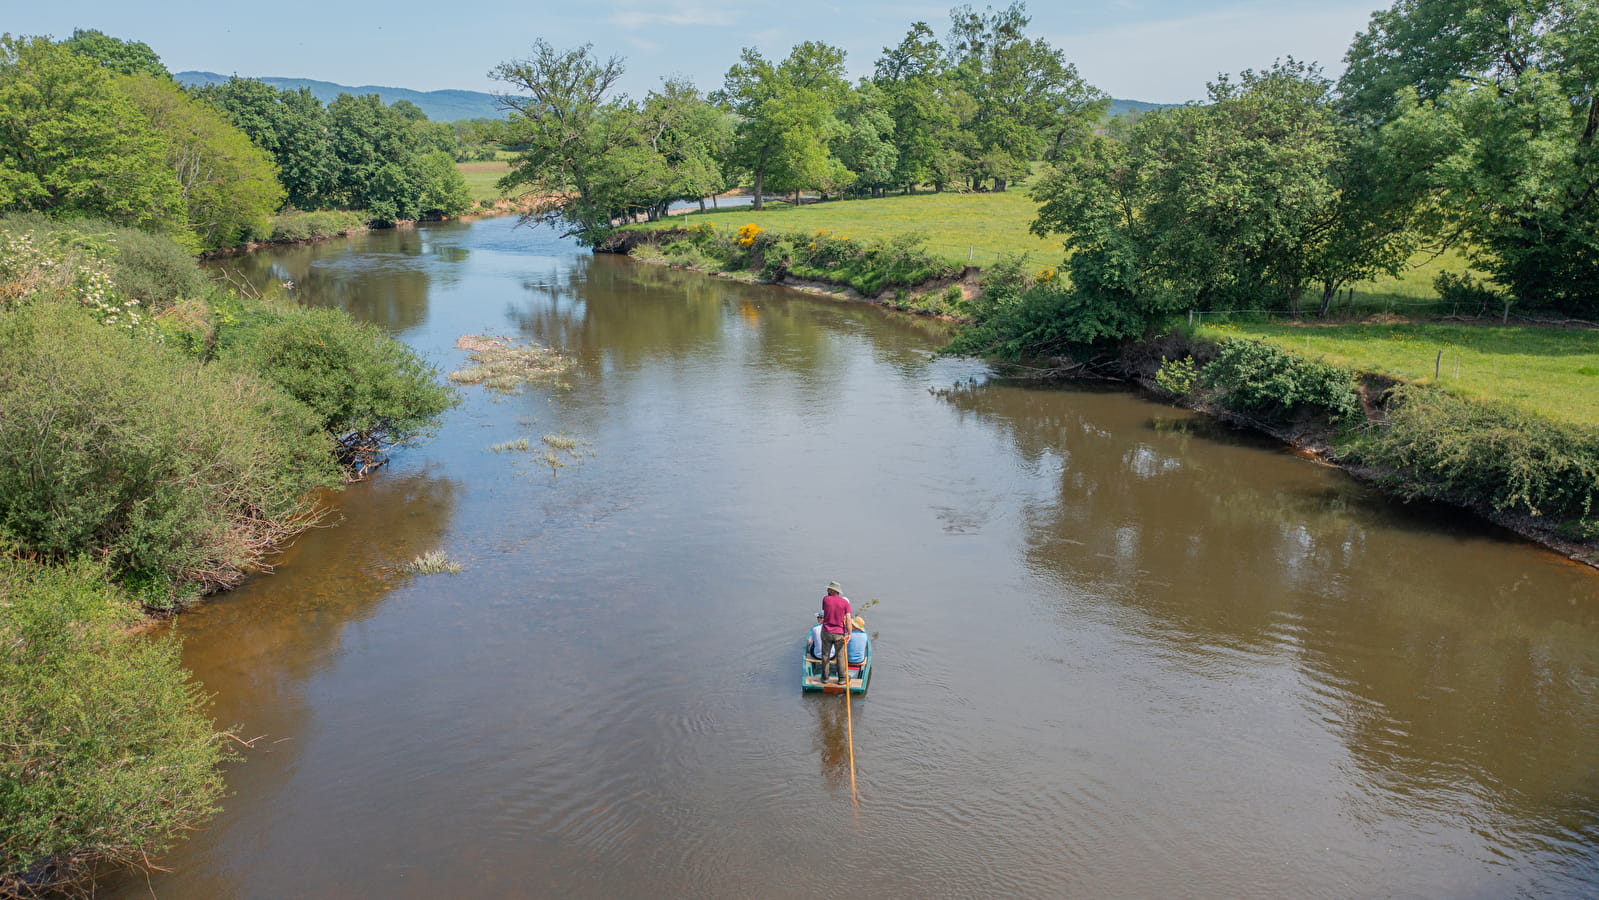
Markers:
{"x": 971, "y": 253}
{"x": 1190, "y": 318}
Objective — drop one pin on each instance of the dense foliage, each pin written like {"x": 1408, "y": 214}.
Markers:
{"x": 1263, "y": 380}
{"x": 1446, "y": 447}
{"x": 95, "y": 127}
{"x": 107, "y": 754}
{"x": 362, "y": 386}
{"x": 1496, "y": 104}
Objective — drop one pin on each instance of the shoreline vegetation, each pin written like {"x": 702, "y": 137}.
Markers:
{"x": 1521, "y": 469}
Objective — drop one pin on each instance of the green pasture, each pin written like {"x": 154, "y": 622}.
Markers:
{"x": 979, "y": 228}
{"x": 481, "y": 177}
{"x": 1551, "y": 371}
{"x": 961, "y": 228}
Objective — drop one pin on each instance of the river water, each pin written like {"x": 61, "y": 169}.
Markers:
{"x": 1120, "y": 651}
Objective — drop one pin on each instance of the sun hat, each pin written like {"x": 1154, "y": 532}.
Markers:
{"x": 835, "y": 586}
{"x": 860, "y": 623}
{"x": 818, "y": 615}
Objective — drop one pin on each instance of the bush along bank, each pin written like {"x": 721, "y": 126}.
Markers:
{"x": 1536, "y": 476}
{"x": 161, "y": 436}
{"x": 896, "y": 272}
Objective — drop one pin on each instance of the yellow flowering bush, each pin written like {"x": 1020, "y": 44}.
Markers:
{"x": 747, "y": 234}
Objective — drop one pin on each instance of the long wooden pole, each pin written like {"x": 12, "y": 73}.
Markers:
{"x": 849, "y": 720}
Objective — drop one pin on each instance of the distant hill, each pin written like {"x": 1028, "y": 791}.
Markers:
{"x": 1122, "y": 107}
{"x": 440, "y": 106}
{"x": 448, "y": 106}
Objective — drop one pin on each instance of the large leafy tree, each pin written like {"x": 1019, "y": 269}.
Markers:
{"x": 375, "y": 162}
{"x": 691, "y": 137}
{"x": 121, "y": 56}
{"x": 921, "y": 100}
{"x": 229, "y": 185}
{"x": 1027, "y": 99}
{"x": 1498, "y": 104}
{"x": 291, "y": 126}
{"x": 72, "y": 144}
{"x": 573, "y": 136}
{"x": 787, "y": 117}
{"x": 1246, "y": 201}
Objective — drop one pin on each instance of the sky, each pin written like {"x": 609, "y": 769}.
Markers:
{"x": 1160, "y": 51}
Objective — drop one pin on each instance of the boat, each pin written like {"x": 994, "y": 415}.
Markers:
{"x": 811, "y": 673}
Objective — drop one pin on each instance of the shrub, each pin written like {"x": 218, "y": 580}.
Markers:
{"x": 1452, "y": 448}
{"x": 1263, "y": 380}
{"x": 106, "y": 752}
{"x": 308, "y": 226}
{"x": 118, "y": 446}
{"x": 1177, "y": 376}
{"x": 364, "y": 387}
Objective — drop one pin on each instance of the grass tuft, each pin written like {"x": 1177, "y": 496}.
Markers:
{"x": 433, "y": 562}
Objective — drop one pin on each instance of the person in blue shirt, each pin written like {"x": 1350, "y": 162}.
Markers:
{"x": 859, "y": 641}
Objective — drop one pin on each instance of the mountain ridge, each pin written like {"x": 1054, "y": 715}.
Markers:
{"x": 451, "y": 105}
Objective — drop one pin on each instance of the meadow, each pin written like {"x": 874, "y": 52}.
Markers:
{"x": 481, "y": 177}
{"x": 1550, "y": 371}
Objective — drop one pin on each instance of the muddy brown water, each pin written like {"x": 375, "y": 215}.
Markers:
{"x": 1121, "y": 651}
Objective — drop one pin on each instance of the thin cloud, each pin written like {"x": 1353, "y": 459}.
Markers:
{"x": 668, "y": 14}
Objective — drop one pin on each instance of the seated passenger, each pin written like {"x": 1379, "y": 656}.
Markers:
{"x": 813, "y": 646}
{"x": 859, "y": 641}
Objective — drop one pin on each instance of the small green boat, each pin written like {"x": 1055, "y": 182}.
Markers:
{"x": 811, "y": 674}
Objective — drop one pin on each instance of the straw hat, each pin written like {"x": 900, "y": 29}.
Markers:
{"x": 835, "y": 586}
{"x": 860, "y": 623}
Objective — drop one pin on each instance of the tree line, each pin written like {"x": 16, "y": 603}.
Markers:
{"x": 973, "y": 111}
{"x": 1456, "y": 124}
{"x": 94, "y": 126}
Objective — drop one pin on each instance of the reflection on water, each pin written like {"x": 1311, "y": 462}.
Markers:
{"x": 1120, "y": 651}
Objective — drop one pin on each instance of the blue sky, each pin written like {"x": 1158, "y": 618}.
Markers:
{"x": 1156, "y": 50}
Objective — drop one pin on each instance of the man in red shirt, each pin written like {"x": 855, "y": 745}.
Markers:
{"x": 835, "y": 631}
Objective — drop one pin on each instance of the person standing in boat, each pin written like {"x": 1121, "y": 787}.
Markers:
{"x": 835, "y": 631}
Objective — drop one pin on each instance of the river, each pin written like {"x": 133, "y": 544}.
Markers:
{"x": 1121, "y": 651}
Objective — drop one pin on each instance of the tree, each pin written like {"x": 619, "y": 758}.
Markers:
{"x": 376, "y": 167}
{"x": 1028, "y": 99}
{"x": 864, "y": 143}
{"x": 786, "y": 117}
{"x": 1243, "y": 202}
{"x": 691, "y": 137}
{"x": 229, "y": 185}
{"x": 573, "y": 138}
{"x": 919, "y": 99}
{"x": 71, "y": 144}
{"x": 291, "y": 126}
{"x": 443, "y": 188}
{"x": 120, "y": 56}
{"x": 1498, "y": 103}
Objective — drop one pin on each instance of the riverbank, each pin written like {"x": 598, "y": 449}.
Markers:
{"x": 1525, "y": 472}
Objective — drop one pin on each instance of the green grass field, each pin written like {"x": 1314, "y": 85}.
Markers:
{"x": 481, "y": 176}
{"x": 1551, "y": 371}
{"x": 979, "y": 228}
{"x": 962, "y": 228}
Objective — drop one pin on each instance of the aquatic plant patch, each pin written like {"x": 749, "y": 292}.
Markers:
{"x": 507, "y": 367}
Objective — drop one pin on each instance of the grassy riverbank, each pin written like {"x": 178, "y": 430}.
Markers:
{"x": 1553, "y": 372}
{"x": 977, "y": 229}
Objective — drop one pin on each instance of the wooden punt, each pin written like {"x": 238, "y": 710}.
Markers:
{"x": 811, "y": 674}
